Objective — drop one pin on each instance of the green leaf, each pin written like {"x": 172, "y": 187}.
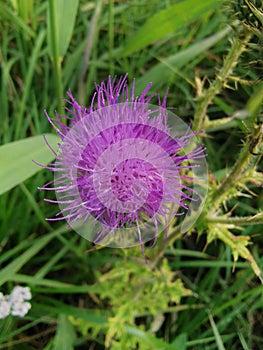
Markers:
{"x": 63, "y": 20}
{"x": 65, "y": 335}
{"x": 16, "y": 159}
{"x": 66, "y": 16}
{"x": 162, "y": 71}
{"x": 167, "y": 21}
{"x": 150, "y": 339}
{"x": 180, "y": 342}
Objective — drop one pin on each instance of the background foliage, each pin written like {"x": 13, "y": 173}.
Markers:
{"x": 199, "y": 291}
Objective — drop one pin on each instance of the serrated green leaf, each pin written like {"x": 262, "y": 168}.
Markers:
{"x": 167, "y": 21}
{"x": 16, "y": 159}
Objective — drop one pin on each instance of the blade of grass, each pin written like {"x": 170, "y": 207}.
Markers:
{"x": 60, "y": 12}
{"x": 219, "y": 341}
{"x": 6, "y": 274}
{"x": 65, "y": 336}
{"x": 7, "y": 14}
{"x": 28, "y": 82}
{"x": 93, "y": 316}
{"x": 91, "y": 39}
{"x": 16, "y": 159}
{"x": 12, "y": 252}
{"x": 35, "y": 207}
{"x": 161, "y": 72}
{"x": 44, "y": 285}
{"x": 53, "y": 41}
{"x": 111, "y": 36}
{"x": 26, "y": 11}
{"x": 167, "y": 21}
{"x": 66, "y": 12}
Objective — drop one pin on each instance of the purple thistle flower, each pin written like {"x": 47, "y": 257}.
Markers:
{"x": 120, "y": 176}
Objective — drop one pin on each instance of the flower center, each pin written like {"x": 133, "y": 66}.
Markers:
{"x": 135, "y": 178}
{"x": 125, "y": 177}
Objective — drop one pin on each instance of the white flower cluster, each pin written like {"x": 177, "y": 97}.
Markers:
{"x": 14, "y": 304}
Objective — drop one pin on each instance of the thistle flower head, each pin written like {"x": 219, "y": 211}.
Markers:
{"x": 121, "y": 174}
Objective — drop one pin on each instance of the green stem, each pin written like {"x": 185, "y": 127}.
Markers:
{"x": 254, "y": 104}
{"x": 207, "y": 97}
{"x": 245, "y": 220}
{"x": 238, "y": 170}
{"x": 173, "y": 234}
{"x": 55, "y": 53}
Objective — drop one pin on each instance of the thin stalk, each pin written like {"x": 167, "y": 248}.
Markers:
{"x": 207, "y": 97}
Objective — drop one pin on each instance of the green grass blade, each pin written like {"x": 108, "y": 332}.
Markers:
{"x": 28, "y": 81}
{"x": 219, "y": 341}
{"x": 50, "y": 286}
{"x": 60, "y": 25}
{"x": 180, "y": 341}
{"x": 16, "y": 159}
{"x": 66, "y": 11}
{"x": 167, "y": 21}
{"x": 17, "y": 22}
{"x": 65, "y": 335}
{"x": 162, "y": 71}
{"x": 25, "y": 9}
{"x": 7, "y": 273}
{"x": 94, "y": 316}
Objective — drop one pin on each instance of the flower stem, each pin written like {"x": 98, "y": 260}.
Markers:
{"x": 207, "y": 97}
